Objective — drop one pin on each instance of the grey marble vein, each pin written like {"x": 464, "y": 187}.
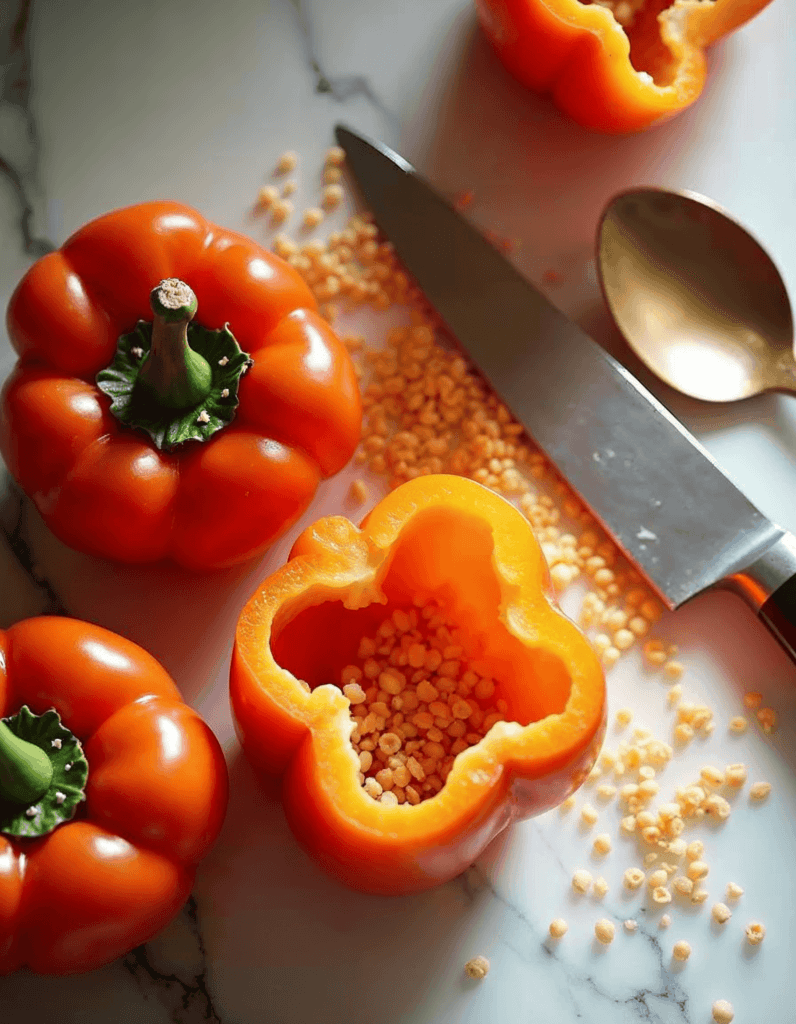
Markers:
{"x": 15, "y": 508}
{"x": 19, "y": 137}
{"x": 580, "y": 988}
{"x": 340, "y": 87}
{"x": 180, "y": 983}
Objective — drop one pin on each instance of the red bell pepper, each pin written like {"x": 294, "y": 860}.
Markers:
{"x": 111, "y": 791}
{"x": 187, "y": 460}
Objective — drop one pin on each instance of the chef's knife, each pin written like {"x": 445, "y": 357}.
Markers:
{"x": 653, "y": 487}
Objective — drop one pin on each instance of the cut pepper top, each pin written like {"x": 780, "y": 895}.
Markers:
{"x": 613, "y": 65}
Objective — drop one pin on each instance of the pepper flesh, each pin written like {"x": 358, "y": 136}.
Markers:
{"x": 108, "y": 880}
{"x": 451, "y": 540}
{"x": 602, "y": 75}
{"x": 108, "y": 490}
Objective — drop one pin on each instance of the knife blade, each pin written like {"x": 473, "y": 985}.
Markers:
{"x": 656, "y": 491}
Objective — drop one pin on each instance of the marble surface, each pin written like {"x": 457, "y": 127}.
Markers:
{"x": 102, "y": 105}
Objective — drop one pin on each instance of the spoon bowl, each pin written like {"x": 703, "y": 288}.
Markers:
{"x": 696, "y": 297}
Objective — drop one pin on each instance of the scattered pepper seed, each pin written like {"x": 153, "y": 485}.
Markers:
{"x": 600, "y": 888}
{"x": 558, "y": 927}
{"x": 633, "y": 878}
{"x": 735, "y": 775}
{"x": 665, "y": 921}
{"x": 755, "y": 933}
{"x": 312, "y": 217}
{"x": 477, "y": 968}
{"x": 759, "y": 790}
{"x": 581, "y": 881}
{"x": 604, "y": 930}
{"x": 624, "y": 717}
{"x": 588, "y": 815}
{"x": 281, "y": 210}
{"x": 712, "y": 776}
{"x": 683, "y": 885}
{"x": 631, "y": 925}
{"x": 358, "y": 492}
{"x": 602, "y": 844}
{"x": 683, "y": 733}
{"x": 267, "y": 196}
{"x": 723, "y": 1012}
{"x": 697, "y": 870}
{"x": 332, "y": 195}
{"x": 717, "y": 806}
{"x": 738, "y": 724}
{"x": 335, "y": 155}
{"x": 734, "y": 891}
{"x": 287, "y": 162}
{"x": 681, "y": 950}
{"x": 721, "y": 913}
{"x": 767, "y": 718}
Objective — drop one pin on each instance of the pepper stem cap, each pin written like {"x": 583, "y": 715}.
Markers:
{"x": 173, "y": 374}
{"x": 43, "y": 773}
{"x": 25, "y": 769}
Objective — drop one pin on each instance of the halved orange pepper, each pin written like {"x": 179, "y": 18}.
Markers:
{"x": 448, "y": 540}
{"x": 604, "y": 75}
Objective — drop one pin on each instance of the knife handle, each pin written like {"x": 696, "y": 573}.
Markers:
{"x": 779, "y": 615}
{"x": 769, "y": 586}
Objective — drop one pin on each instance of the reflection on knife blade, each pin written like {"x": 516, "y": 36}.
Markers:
{"x": 658, "y": 493}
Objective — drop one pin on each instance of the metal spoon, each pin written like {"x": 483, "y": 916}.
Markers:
{"x": 696, "y": 297}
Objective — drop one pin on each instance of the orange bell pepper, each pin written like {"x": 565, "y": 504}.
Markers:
{"x": 169, "y": 441}
{"x": 111, "y": 791}
{"x": 605, "y": 75}
{"x": 447, "y": 543}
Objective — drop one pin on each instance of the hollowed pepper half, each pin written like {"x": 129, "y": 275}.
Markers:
{"x": 438, "y": 549}
{"x": 616, "y": 66}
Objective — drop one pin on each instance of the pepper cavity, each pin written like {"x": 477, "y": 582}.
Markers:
{"x": 416, "y": 704}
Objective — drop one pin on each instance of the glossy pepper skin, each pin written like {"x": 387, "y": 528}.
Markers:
{"x": 114, "y": 875}
{"x": 452, "y": 539}
{"x": 106, "y": 489}
{"x": 590, "y": 64}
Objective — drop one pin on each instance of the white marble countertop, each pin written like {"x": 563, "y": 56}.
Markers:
{"x": 105, "y": 105}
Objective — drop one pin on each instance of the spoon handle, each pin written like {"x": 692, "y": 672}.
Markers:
{"x": 769, "y": 586}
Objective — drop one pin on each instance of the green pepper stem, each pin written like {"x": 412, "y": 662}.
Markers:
{"x": 25, "y": 769}
{"x": 173, "y": 374}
